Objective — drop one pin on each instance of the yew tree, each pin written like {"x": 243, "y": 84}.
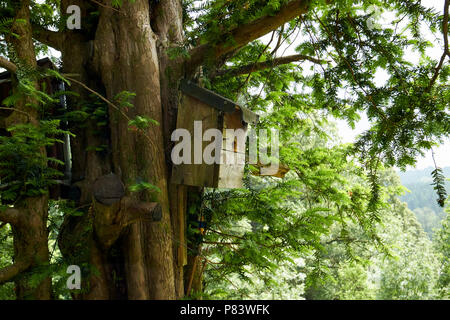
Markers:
{"x": 122, "y": 71}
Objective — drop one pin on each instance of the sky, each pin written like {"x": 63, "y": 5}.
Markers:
{"x": 442, "y": 153}
{"x": 349, "y": 135}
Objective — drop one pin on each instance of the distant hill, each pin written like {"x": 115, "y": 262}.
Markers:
{"x": 422, "y": 198}
{"x": 424, "y": 175}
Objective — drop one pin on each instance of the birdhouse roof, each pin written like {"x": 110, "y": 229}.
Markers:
{"x": 217, "y": 101}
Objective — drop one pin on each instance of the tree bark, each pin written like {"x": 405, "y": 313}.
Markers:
{"x": 127, "y": 59}
{"x": 120, "y": 56}
{"x": 167, "y": 22}
{"x": 30, "y": 232}
{"x": 31, "y": 245}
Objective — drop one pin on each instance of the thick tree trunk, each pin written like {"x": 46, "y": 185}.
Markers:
{"x": 87, "y": 163}
{"x": 31, "y": 243}
{"x": 128, "y": 52}
{"x": 77, "y": 51}
{"x": 167, "y": 23}
{"x": 127, "y": 59}
{"x": 30, "y": 228}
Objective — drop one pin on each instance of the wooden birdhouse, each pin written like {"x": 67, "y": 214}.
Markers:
{"x": 200, "y": 110}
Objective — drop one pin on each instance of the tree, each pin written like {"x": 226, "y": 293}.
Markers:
{"x": 442, "y": 246}
{"x": 137, "y": 52}
{"x": 404, "y": 267}
{"x": 412, "y": 270}
{"x": 28, "y": 217}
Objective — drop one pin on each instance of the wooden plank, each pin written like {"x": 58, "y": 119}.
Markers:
{"x": 201, "y": 175}
{"x": 231, "y": 174}
{"x": 231, "y": 142}
{"x": 207, "y": 96}
{"x": 280, "y": 173}
{"x": 181, "y": 206}
{"x": 231, "y": 171}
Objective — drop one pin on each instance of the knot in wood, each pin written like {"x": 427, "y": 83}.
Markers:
{"x": 108, "y": 189}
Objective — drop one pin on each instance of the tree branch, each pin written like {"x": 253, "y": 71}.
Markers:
{"x": 9, "y": 272}
{"x": 279, "y": 42}
{"x": 267, "y": 64}
{"x": 221, "y": 243}
{"x": 8, "y": 65}
{"x": 141, "y": 211}
{"x": 248, "y": 32}
{"x": 10, "y": 215}
{"x": 446, "y": 45}
{"x": 50, "y": 38}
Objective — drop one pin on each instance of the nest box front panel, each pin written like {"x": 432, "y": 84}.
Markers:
{"x": 202, "y": 175}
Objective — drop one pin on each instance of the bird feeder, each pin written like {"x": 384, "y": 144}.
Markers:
{"x": 204, "y": 109}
